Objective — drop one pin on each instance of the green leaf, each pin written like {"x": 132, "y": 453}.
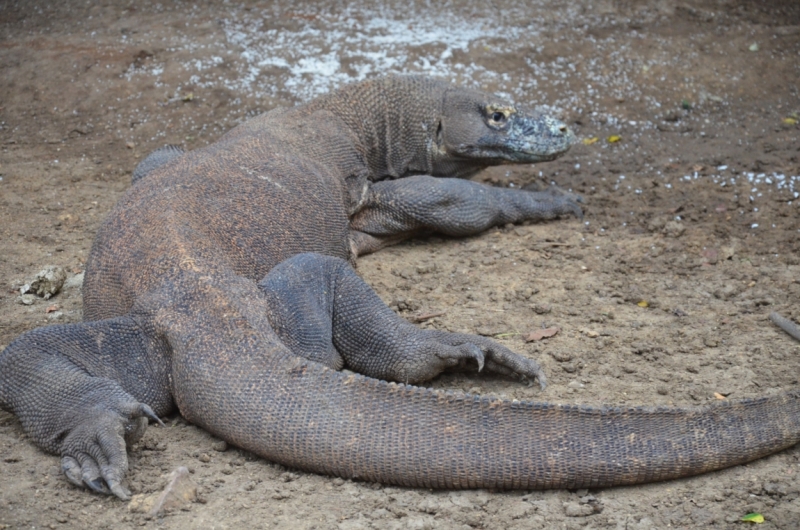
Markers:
{"x": 753, "y": 518}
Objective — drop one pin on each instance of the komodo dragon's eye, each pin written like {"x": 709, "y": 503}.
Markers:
{"x": 497, "y": 117}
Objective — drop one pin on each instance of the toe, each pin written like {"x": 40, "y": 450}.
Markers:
{"x": 72, "y": 470}
{"x": 575, "y": 209}
{"x": 113, "y": 481}
{"x": 97, "y": 485}
{"x": 94, "y": 454}
{"x": 453, "y": 355}
{"x": 471, "y": 351}
{"x": 506, "y": 362}
{"x": 494, "y": 368}
{"x": 90, "y": 473}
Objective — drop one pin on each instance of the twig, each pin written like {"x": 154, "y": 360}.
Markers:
{"x": 785, "y": 324}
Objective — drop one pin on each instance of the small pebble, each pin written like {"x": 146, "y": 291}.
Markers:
{"x": 26, "y": 299}
{"x": 573, "y": 509}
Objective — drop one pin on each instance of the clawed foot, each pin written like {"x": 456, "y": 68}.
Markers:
{"x": 94, "y": 453}
{"x": 553, "y": 201}
{"x": 458, "y": 350}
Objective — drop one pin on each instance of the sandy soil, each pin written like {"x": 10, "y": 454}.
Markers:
{"x": 691, "y": 235}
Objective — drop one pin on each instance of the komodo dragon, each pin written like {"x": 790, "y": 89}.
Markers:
{"x": 220, "y": 285}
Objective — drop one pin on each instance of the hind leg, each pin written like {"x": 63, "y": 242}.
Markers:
{"x": 323, "y": 311}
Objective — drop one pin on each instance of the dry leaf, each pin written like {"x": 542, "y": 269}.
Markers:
{"x": 51, "y": 308}
{"x": 613, "y": 139}
{"x": 590, "y": 141}
{"x": 540, "y": 334}
{"x": 718, "y": 395}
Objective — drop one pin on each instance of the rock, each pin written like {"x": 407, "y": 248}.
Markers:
{"x": 727, "y": 291}
{"x": 46, "y": 283}
{"x": 573, "y": 509}
{"x": 179, "y": 493}
{"x": 542, "y": 309}
{"x": 561, "y": 356}
{"x": 775, "y": 489}
{"x": 75, "y": 282}
{"x": 220, "y": 446}
{"x": 657, "y": 224}
{"x": 430, "y": 506}
{"x": 570, "y": 367}
{"x": 486, "y": 331}
{"x": 26, "y": 299}
{"x": 674, "y": 229}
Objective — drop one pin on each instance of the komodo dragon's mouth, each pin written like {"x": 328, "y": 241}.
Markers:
{"x": 525, "y": 139}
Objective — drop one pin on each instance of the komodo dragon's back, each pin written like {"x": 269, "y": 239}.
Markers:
{"x": 221, "y": 285}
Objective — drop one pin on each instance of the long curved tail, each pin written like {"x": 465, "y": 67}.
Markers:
{"x": 309, "y": 417}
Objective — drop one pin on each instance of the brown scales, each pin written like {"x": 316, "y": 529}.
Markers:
{"x": 220, "y": 285}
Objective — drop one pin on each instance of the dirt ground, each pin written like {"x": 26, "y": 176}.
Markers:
{"x": 691, "y": 235}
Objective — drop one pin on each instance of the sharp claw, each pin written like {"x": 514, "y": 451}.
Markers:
{"x": 480, "y": 363}
{"x": 575, "y": 208}
{"x": 145, "y": 410}
{"x": 72, "y": 471}
{"x": 121, "y": 492}
{"x": 96, "y": 485}
{"x": 477, "y": 354}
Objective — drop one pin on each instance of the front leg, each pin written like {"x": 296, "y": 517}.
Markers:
{"x": 398, "y": 209}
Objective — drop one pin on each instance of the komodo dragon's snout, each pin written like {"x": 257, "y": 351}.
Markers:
{"x": 220, "y": 286}
{"x": 492, "y": 130}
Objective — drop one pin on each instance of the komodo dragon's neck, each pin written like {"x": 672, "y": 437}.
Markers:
{"x": 395, "y": 131}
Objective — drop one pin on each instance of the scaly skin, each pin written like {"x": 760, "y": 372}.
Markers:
{"x": 220, "y": 285}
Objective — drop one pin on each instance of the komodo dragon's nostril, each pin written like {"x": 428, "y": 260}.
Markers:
{"x": 563, "y": 129}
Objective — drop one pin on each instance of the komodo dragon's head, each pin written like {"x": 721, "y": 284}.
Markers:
{"x": 486, "y": 130}
{"x": 411, "y": 125}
